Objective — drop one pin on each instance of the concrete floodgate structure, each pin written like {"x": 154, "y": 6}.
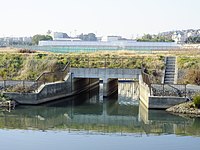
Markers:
{"x": 109, "y": 76}
{"x": 75, "y": 82}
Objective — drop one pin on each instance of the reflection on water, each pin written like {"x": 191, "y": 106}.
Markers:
{"x": 120, "y": 114}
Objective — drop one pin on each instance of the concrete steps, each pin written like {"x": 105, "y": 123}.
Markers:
{"x": 170, "y": 70}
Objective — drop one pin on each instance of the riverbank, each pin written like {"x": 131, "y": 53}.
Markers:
{"x": 187, "y": 109}
{"x": 23, "y": 64}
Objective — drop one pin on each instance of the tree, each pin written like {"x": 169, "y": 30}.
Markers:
{"x": 36, "y": 38}
{"x": 155, "y": 38}
{"x": 88, "y": 37}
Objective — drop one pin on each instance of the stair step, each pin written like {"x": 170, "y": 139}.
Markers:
{"x": 170, "y": 65}
{"x": 173, "y": 61}
{"x": 169, "y": 72}
{"x": 170, "y": 69}
{"x": 169, "y": 75}
{"x": 168, "y": 82}
{"x": 169, "y": 79}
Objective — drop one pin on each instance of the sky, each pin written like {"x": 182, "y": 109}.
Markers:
{"x": 128, "y": 18}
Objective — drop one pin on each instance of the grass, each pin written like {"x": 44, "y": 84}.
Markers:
{"x": 28, "y": 66}
{"x": 25, "y": 65}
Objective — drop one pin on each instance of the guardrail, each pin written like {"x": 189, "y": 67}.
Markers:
{"x": 146, "y": 79}
{"x": 179, "y": 90}
{"x": 23, "y": 86}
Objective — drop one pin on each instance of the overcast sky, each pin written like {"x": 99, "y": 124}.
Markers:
{"x": 103, "y": 17}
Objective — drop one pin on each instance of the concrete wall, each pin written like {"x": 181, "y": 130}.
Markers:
{"x": 48, "y": 93}
{"x": 106, "y": 73}
{"x": 144, "y": 92}
{"x": 53, "y": 91}
{"x": 157, "y": 102}
{"x": 14, "y": 83}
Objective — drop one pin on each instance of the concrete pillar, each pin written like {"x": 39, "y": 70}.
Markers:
{"x": 110, "y": 86}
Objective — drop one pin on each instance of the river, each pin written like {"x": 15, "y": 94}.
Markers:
{"x": 89, "y": 122}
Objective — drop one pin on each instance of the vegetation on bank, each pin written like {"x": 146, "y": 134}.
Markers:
{"x": 196, "y": 100}
{"x": 189, "y": 69}
{"x": 28, "y": 66}
{"x": 3, "y": 98}
{"x": 23, "y": 64}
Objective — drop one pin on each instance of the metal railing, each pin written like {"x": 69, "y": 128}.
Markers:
{"x": 178, "y": 90}
{"x": 24, "y": 86}
{"x": 146, "y": 79}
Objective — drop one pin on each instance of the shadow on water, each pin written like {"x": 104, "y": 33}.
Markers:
{"x": 120, "y": 113}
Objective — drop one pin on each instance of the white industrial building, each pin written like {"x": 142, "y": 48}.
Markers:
{"x": 111, "y": 45}
{"x": 111, "y": 38}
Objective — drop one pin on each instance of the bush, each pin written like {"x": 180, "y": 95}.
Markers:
{"x": 192, "y": 77}
{"x": 26, "y": 51}
{"x": 3, "y": 98}
{"x": 196, "y": 99}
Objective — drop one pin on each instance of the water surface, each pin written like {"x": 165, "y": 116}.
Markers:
{"x": 88, "y": 121}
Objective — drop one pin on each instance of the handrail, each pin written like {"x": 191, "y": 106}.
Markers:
{"x": 64, "y": 69}
{"x": 178, "y": 90}
{"x": 170, "y": 90}
{"x": 43, "y": 78}
{"x": 146, "y": 79}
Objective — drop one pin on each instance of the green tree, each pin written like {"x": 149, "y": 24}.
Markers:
{"x": 36, "y": 38}
{"x": 88, "y": 37}
{"x": 154, "y": 38}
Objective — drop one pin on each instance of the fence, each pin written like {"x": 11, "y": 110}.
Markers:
{"x": 179, "y": 90}
{"x": 23, "y": 86}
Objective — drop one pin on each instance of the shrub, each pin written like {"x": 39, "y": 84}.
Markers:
{"x": 26, "y": 51}
{"x": 3, "y": 98}
{"x": 196, "y": 99}
{"x": 192, "y": 76}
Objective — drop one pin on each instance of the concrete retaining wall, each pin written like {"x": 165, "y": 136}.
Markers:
{"x": 144, "y": 92}
{"x": 157, "y": 102}
{"x": 14, "y": 83}
{"x": 53, "y": 91}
